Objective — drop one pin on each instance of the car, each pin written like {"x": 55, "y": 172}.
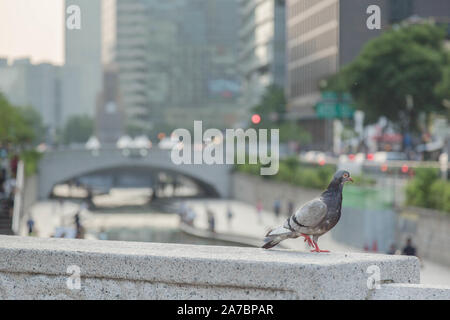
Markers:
{"x": 169, "y": 143}
{"x": 384, "y": 156}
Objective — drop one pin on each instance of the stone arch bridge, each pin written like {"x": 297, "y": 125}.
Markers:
{"x": 63, "y": 165}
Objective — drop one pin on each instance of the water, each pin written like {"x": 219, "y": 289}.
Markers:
{"x": 162, "y": 235}
{"x": 127, "y": 215}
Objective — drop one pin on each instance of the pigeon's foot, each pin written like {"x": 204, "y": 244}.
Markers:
{"x": 316, "y": 248}
{"x": 309, "y": 240}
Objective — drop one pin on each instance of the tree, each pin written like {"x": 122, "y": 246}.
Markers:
{"x": 272, "y": 106}
{"x": 291, "y": 131}
{"x": 443, "y": 88}
{"x": 78, "y": 129}
{"x": 14, "y": 128}
{"x": 21, "y": 128}
{"x": 33, "y": 120}
{"x": 405, "y": 61}
{"x": 272, "y": 110}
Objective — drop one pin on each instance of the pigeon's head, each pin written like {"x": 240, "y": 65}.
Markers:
{"x": 342, "y": 176}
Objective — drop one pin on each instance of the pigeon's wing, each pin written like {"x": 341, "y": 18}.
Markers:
{"x": 309, "y": 215}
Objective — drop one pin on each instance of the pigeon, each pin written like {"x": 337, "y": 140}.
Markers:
{"x": 314, "y": 218}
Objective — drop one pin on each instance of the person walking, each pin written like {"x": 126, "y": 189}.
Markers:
{"x": 13, "y": 165}
{"x": 182, "y": 211}
{"x": 259, "y": 210}
{"x": 2, "y": 179}
{"x": 392, "y": 249}
{"x": 190, "y": 216}
{"x": 290, "y": 208}
{"x": 10, "y": 192}
{"x": 211, "y": 220}
{"x": 30, "y": 225}
{"x": 277, "y": 208}
{"x": 77, "y": 220}
{"x": 102, "y": 235}
{"x": 78, "y": 226}
{"x": 229, "y": 216}
{"x": 409, "y": 249}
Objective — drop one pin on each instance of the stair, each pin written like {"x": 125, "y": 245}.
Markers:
{"x": 5, "y": 220}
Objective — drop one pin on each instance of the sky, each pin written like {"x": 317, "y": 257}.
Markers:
{"x": 32, "y": 28}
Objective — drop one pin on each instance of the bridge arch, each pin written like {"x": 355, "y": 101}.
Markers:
{"x": 62, "y": 165}
{"x": 146, "y": 173}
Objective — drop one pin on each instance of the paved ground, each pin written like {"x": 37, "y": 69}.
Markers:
{"x": 49, "y": 215}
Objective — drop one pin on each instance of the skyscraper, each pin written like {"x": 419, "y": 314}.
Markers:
{"x": 171, "y": 55}
{"x": 82, "y": 74}
{"x": 261, "y": 47}
{"x": 109, "y": 118}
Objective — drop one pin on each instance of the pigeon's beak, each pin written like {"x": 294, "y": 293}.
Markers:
{"x": 350, "y": 179}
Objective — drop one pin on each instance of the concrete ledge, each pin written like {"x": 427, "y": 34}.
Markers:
{"x": 34, "y": 268}
{"x": 231, "y": 238}
{"x": 399, "y": 291}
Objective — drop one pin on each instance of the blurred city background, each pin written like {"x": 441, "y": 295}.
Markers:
{"x": 86, "y": 116}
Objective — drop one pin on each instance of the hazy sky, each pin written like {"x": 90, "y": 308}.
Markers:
{"x": 32, "y": 28}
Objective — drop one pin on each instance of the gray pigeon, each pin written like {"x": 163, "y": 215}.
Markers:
{"x": 314, "y": 218}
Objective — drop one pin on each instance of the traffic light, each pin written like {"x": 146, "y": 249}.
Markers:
{"x": 405, "y": 168}
{"x": 256, "y": 118}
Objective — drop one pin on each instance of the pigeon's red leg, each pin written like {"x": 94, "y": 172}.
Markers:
{"x": 316, "y": 248}
{"x": 308, "y": 239}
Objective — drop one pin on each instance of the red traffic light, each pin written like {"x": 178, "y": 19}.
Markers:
{"x": 256, "y": 118}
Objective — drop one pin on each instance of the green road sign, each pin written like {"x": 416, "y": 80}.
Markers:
{"x": 329, "y": 95}
{"x": 333, "y": 106}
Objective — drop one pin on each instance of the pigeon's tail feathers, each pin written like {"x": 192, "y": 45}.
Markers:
{"x": 275, "y": 236}
{"x": 278, "y": 231}
{"x": 270, "y": 243}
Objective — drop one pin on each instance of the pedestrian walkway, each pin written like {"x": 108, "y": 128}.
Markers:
{"x": 245, "y": 223}
{"x": 49, "y": 215}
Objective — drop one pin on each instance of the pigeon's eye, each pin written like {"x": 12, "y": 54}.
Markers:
{"x": 345, "y": 175}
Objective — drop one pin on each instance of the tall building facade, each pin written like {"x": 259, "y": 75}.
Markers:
{"x": 261, "y": 47}
{"x": 109, "y": 118}
{"x": 82, "y": 74}
{"x": 322, "y": 36}
{"x": 132, "y": 49}
{"x": 37, "y": 86}
{"x": 171, "y": 55}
